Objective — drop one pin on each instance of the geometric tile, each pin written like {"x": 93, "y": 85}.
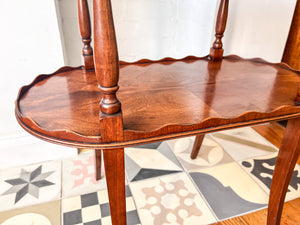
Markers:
{"x": 79, "y": 175}
{"x": 144, "y": 163}
{"x": 149, "y": 146}
{"x": 261, "y": 170}
{"x": 43, "y": 214}
{"x": 171, "y": 199}
{"x": 210, "y": 154}
{"x": 243, "y": 143}
{"x": 229, "y": 191}
{"x": 30, "y": 185}
{"x": 93, "y": 208}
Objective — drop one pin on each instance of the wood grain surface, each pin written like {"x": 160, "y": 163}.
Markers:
{"x": 204, "y": 96}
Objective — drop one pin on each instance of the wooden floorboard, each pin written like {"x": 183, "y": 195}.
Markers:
{"x": 273, "y": 132}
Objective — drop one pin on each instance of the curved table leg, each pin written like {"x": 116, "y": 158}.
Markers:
{"x": 284, "y": 167}
{"x": 115, "y": 179}
{"x": 197, "y": 145}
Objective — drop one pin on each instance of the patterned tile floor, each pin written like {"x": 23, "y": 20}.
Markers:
{"x": 231, "y": 176}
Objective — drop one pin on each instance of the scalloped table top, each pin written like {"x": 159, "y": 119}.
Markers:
{"x": 160, "y": 100}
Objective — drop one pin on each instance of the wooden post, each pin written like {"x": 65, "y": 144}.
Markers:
{"x": 85, "y": 31}
{"x": 106, "y": 56}
{"x": 216, "y": 52}
{"x": 291, "y": 53}
{"x": 111, "y": 121}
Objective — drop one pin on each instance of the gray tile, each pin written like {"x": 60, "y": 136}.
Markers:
{"x": 89, "y": 199}
{"x": 131, "y": 167}
{"x": 165, "y": 150}
{"x": 223, "y": 200}
{"x": 151, "y": 145}
{"x": 73, "y": 217}
{"x": 96, "y": 222}
{"x": 133, "y": 218}
{"x": 105, "y": 210}
{"x": 150, "y": 173}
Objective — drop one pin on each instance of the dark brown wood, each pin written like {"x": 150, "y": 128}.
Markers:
{"x": 106, "y": 56}
{"x": 115, "y": 178}
{"x": 197, "y": 145}
{"x": 98, "y": 163}
{"x": 160, "y": 100}
{"x": 216, "y": 52}
{"x": 195, "y": 95}
{"x": 85, "y": 31}
{"x": 291, "y": 53}
{"x": 284, "y": 167}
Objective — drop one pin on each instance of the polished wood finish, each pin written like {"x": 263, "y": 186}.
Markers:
{"x": 291, "y": 53}
{"x": 85, "y": 31}
{"x": 216, "y": 52}
{"x": 147, "y": 100}
{"x": 197, "y": 145}
{"x": 284, "y": 167}
{"x": 98, "y": 163}
{"x": 115, "y": 178}
{"x": 106, "y": 56}
{"x": 161, "y": 100}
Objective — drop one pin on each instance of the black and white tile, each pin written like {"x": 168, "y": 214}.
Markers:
{"x": 93, "y": 209}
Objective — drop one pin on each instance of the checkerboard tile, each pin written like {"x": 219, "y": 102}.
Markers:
{"x": 93, "y": 208}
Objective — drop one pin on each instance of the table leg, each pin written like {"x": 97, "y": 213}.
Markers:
{"x": 98, "y": 163}
{"x": 284, "y": 167}
{"x": 197, "y": 145}
{"x": 115, "y": 178}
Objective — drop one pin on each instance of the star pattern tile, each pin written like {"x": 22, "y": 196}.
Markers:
{"x": 29, "y": 182}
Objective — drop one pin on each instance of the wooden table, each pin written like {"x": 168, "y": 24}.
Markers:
{"x": 161, "y": 100}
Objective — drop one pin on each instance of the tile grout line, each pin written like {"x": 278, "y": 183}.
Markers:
{"x": 202, "y": 196}
{"x": 197, "y": 189}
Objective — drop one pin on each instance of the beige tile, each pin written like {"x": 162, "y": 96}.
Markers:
{"x": 210, "y": 154}
{"x": 43, "y": 214}
{"x": 91, "y": 213}
{"x": 170, "y": 199}
{"x": 231, "y": 175}
{"x": 71, "y": 204}
{"x": 243, "y": 143}
{"x": 229, "y": 190}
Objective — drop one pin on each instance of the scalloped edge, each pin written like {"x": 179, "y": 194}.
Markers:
{"x": 261, "y": 60}
{"x": 151, "y": 133}
{"x": 42, "y": 77}
{"x": 31, "y": 122}
{"x": 205, "y": 124}
{"x": 166, "y": 59}
{"x": 191, "y": 57}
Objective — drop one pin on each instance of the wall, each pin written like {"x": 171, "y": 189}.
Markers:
{"x": 30, "y": 45}
{"x": 159, "y": 28}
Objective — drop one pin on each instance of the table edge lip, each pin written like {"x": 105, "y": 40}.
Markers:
{"x": 96, "y": 140}
{"x": 147, "y": 140}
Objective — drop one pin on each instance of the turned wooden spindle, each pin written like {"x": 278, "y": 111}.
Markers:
{"x": 216, "y": 52}
{"x": 106, "y": 56}
{"x": 85, "y": 31}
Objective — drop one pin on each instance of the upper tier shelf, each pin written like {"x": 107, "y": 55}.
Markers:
{"x": 162, "y": 99}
